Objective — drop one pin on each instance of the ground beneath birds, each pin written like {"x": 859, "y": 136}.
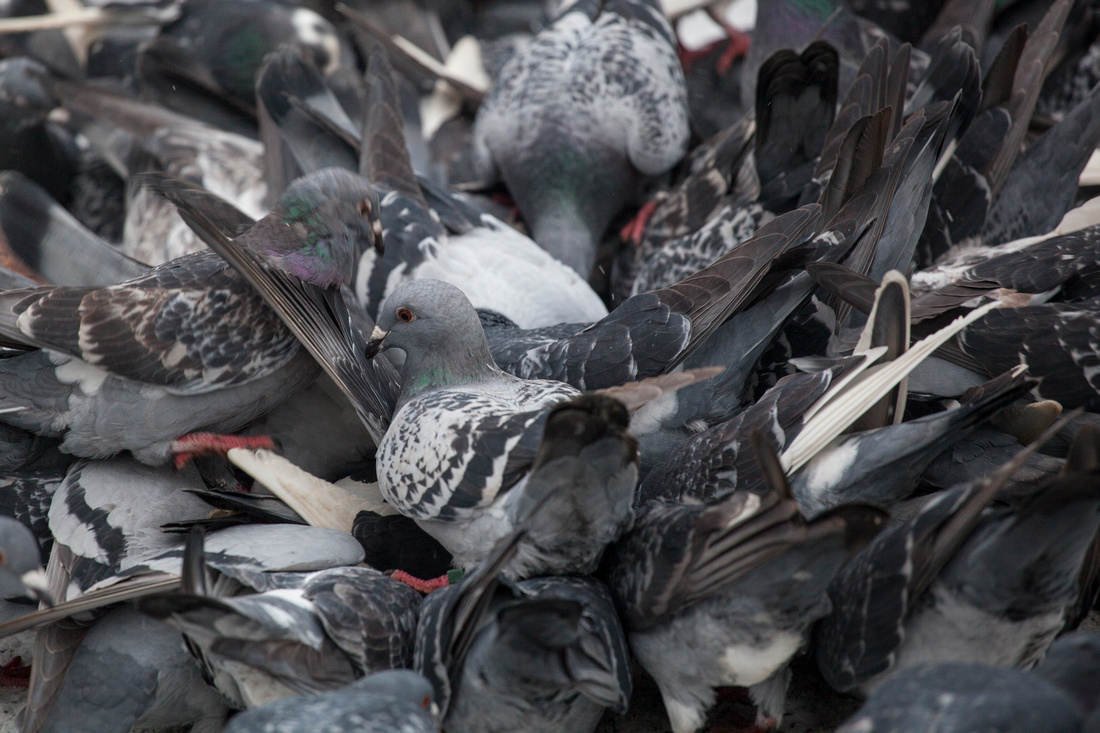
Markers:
{"x": 811, "y": 706}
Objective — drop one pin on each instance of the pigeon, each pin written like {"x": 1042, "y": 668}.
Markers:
{"x": 1042, "y": 184}
{"x": 881, "y": 466}
{"x": 471, "y": 493}
{"x": 205, "y": 62}
{"x": 724, "y": 594}
{"x": 145, "y": 136}
{"x": 395, "y": 700}
{"x": 543, "y": 654}
{"x": 1056, "y": 264}
{"x": 133, "y": 672}
{"x": 970, "y": 182}
{"x": 983, "y": 451}
{"x": 309, "y": 633}
{"x": 579, "y": 116}
{"x": 21, "y": 574}
{"x": 948, "y": 697}
{"x": 430, "y": 232}
{"x": 733, "y": 174}
{"x": 170, "y": 344}
{"x": 112, "y": 519}
{"x": 51, "y": 246}
{"x": 471, "y": 450}
{"x": 963, "y": 581}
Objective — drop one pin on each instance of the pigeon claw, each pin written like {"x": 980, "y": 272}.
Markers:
{"x": 424, "y": 586}
{"x": 15, "y": 674}
{"x": 209, "y": 444}
{"x": 635, "y": 229}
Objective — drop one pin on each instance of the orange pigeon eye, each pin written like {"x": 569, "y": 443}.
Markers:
{"x": 404, "y": 314}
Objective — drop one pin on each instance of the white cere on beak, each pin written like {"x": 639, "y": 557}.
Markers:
{"x": 313, "y": 30}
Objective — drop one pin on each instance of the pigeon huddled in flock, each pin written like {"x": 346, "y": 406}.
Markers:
{"x": 492, "y": 366}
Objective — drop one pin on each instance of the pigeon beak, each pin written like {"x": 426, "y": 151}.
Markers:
{"x": 379, "y": 243}
{"x": 35, "y": 582}
{"x": 377, "y": 336}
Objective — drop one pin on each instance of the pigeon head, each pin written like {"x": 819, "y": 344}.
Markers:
{"x": 320, "y": 227}
{"x": 318, "y": 37}
{"x": 436, "y": 326}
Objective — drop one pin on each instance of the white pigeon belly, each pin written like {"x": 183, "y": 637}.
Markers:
{"x": 750, "y": 664}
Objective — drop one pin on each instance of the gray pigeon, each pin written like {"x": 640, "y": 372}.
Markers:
{"x": 54, "y": 245}
{"x": 959, "y": 697}
{"x": 579, "y": 116}
{"x": 133, "y": 672}
{"x": 21, "y": 574}
{"x": 109, "y": 517}
{"x": 724, "y": 594}
{"x": 396, "y": 700}
{"x": 308, "y": 633}
{"x": 462, "y": 455}
{"x": 964, "y": 581}
{"x": 546, "y": 654}
{"x": 881, "y": 466}
{"x": 143, "y": 365}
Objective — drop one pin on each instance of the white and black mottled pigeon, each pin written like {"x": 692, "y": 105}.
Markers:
{"x": 578, "y": 117}
{"x": 130, "y": 672}
{"x": 543, "y": 654}
{"x": 21, "y": 574}
{"x": 958, "y": 697}
{"x": 471, "y": 449}
{"x": 724, "y": 594}
{"x": 430, "y": 232}
{"x": 963, "y": 580}
{"x": 110, "y": 546}
{"x": 398, "y": 700}
{"x": 188, "y": 347}
{"x": 739, "y": 177}
{"x": 110, "y": 518}
{"x": 304, "y": 633}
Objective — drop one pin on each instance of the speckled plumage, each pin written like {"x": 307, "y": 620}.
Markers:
{"x": 315, "y": 632}
{"x": 191, "y": 335}
{"x": 576, "y": 117}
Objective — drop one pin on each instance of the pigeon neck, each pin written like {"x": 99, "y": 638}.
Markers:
{"x": 564, "y": 234}
{"x": 447, "y": 365}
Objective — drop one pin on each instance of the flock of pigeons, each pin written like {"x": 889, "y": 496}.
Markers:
{"x": 397, "y": 366}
